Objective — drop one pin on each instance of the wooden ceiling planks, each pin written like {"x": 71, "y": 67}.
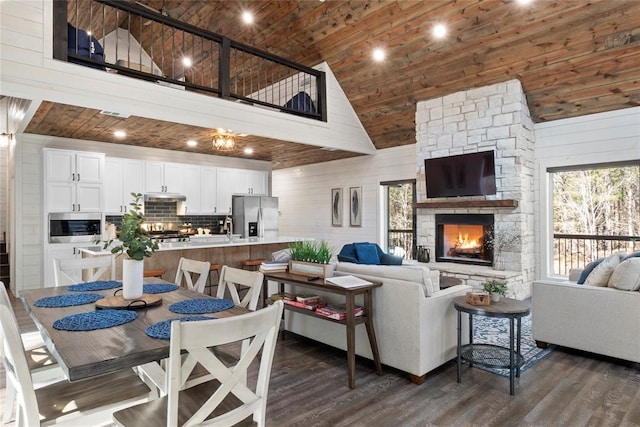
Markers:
{"x": 555, "y": 48}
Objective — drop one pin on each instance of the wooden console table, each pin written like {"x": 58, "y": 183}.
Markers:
{"x": 351, "y": 320}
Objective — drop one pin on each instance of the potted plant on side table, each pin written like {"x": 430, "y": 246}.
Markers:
{"x": 136, "y": 244}
{"x": 496, "y": 289}
{"x": 311, "y": 258}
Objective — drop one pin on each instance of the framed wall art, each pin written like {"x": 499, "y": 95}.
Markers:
{"x": 355, "y": 206}
{"x": 336, "y": 207}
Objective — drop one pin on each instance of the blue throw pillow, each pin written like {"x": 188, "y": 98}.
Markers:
{"x": 367, "y": 253}
{"x": 632, "y": 255}
{"x": 345, "y": 258}
{"x": 349, "y": 251}
{"x": 588, "y": 269}
{"x": 387, "y": 259}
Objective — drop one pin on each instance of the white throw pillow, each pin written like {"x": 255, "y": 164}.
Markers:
{"x": 601, "y": 274}
{"x": 626, "y": 275}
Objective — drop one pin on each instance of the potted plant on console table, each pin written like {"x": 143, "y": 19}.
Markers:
{"x": 496, "y": 289}
{"x": 311, "y": 258}
{"x": 136, "y": 244}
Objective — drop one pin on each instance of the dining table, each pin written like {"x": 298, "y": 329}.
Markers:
{"x": 91, "y": 353}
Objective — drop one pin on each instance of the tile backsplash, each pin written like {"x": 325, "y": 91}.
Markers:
{"x": 166, "y": 213}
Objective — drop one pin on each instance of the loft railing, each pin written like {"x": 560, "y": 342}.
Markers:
{"x": 577, "y": 250}
{"x": 127, "y": 38}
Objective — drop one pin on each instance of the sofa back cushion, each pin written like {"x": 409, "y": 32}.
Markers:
{"x": 410, "y": 273}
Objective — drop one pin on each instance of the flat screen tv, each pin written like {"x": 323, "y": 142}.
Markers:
{"x": 463, "y": 175}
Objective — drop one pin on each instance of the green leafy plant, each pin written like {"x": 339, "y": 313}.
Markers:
{"x": 494, "y": 286}
{"x": 311, "y": 251}
{"x": 135, "y": 241}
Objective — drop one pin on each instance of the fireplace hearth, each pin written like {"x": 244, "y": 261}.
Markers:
{"x": 462, "y": 238}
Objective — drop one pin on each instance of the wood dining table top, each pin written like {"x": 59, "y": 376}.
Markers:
{"x": 86, "y": 354}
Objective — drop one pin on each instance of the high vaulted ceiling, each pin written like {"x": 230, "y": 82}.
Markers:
{"x": 572, "y": 57}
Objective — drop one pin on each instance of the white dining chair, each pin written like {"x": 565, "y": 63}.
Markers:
{"x": 41, "y": 364}
{"x": 188, "y": 269}
{"x": 70, "y": 271}
{"x": 227, "y": 399}
{"x": 234, "y": 279}
{"x": 89, "y": 402}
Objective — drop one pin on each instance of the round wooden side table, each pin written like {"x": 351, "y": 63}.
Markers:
{"x": 490, "y": 355}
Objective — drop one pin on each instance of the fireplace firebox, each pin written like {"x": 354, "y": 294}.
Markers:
{"x": 463, "y": 238}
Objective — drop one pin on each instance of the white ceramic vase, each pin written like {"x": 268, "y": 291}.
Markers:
{"x": 132, "y": 277}
{"x": 495, "y": 297}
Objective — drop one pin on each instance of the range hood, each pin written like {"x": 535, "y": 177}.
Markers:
{"x": 164, "y": 197}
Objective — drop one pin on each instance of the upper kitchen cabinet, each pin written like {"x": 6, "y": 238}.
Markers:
{"x": 122, "y": 177}
{"x": 192, "y": 188}
{"x": 73, "y": 181}
{"x": 208, "y": 190}
{"x": 160, "y": 177}
{"x": 252, "y": 182}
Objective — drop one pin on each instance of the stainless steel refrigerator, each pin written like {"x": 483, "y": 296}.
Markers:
{"x": 255, "y": 216}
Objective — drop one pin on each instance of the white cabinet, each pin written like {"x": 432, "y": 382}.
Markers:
{"x": 122, "y": 177}
{"x": 191, "y": 188}
{"x": 61, "y": 251}
{"x": 208, "y": 190}
{"x": 250, "y": 182}
{"x": 160, "y": 177}
{"x": 224, "y": 190}
{"x": 73, "y": 181}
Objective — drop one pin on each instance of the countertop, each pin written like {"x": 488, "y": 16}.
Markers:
{"x": 202, "y": 242}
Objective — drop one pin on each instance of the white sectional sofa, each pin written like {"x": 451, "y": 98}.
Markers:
{"x": 599, "y": 319}
{"x": 415, "y": 322}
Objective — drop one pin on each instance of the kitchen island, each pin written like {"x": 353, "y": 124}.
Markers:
{"x": 216, "y": 249}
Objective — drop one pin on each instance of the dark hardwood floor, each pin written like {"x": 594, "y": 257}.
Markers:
{"x": 567, "y": 388}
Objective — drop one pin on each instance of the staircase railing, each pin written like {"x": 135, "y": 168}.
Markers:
{"x": 129, "y": 39}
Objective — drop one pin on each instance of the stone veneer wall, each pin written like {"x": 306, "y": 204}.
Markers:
{"x": 488, "y": 118}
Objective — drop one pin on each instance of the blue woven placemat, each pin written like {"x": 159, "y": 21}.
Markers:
{"x": 95, "y": 286}
{"x": 162, "y": 330}
{"x": 94, "y": 320}
{"x": 201, "y": 306}
{"x": 67, "y": 300}
{"x": 158, "y": 288}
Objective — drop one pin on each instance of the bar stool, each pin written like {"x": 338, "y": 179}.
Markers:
{"x": 252, "y": 264}
{"x": 210, "y": 285}
{"x": 158, "y": 272}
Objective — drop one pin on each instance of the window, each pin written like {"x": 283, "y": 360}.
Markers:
{"x": 401, "y": 219}
{"x": 596, "y": 213}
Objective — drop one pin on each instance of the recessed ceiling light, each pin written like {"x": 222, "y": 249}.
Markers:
{"x": 524, "y": 2}
{"x": 192, "y": 143}
{"x": 378, "y": 55}
{"x": 439, "y": 31}
{"x": 119, "y": 134}
{"x": 186, "y": 62}
{"x": 248, "y": 150}
{"x": 247, "y": 17}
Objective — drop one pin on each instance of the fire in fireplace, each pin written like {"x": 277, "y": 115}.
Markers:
{"x": 463, "y": 238}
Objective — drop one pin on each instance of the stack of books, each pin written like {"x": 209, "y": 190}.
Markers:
{"x": 308, "y": 302}
{"x": 337, "y": 312}
{"x": 273, "y": 266}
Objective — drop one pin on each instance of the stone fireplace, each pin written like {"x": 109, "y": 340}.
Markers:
{"x": 463, "y": 238}
{"x": 481, "y": 119}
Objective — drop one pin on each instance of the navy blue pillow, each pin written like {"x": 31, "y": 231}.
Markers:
{"x": 632, "y": 255}
{"x": 345, "y": 258}
{"x": 349, "y": 251}
{"x": 588, "y": 269}
{"x": 367, "y": 253}
{"x": 387, "y": 259}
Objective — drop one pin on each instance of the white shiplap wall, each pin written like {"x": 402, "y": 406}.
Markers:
{"x": 305, "y": 194}
{"x": 598, "y": 138}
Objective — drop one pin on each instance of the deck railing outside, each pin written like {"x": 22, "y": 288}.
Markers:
{"x": 126, "y": 38}
{"x": 577, "y": 250}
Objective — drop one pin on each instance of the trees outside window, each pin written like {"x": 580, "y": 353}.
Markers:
{"x": 401, "y": 239}
{"x": 596, "y": 212}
